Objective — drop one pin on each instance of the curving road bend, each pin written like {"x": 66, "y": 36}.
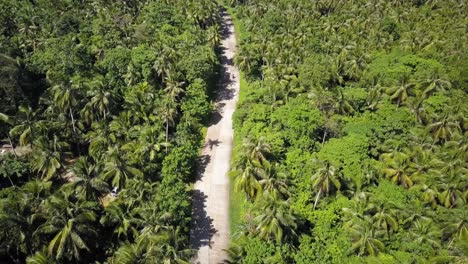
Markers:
{"x": 209, "y": 233}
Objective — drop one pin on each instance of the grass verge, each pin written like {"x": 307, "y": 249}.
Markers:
{"x": 237, "y": 200}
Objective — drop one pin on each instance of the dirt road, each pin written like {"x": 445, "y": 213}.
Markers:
{"x": 210, "y": 213}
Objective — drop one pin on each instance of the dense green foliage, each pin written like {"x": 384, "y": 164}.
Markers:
{"x": 98, "y": 94}
{"x": 351, "y": 132}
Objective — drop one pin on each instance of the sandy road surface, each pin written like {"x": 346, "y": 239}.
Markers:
{"x": 210, "y": 213}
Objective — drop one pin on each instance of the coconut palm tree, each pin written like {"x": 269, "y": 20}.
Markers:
{"x": 117, "y": 169}
{"x": 398, "y": 169}
{"x": 173, "y": 88}
{"x": 444, "y": 128}
{"x": 425, "y": 231}
{"x": 120, "y": 217}
{"x": 85, "y": 182}
{"x": 257, "y": 149}
{"x": 27, "y": 128}
{"x": 66, "y": 98}
{"x": 342, "y": 104}
{"x": 274, "y": 182}
{"x": 70, "y": 224}
{"x": 402, "y": 91}
{"x": 168, "y": 114}
{"x": 40, "y": 258}
{"x": 323, "y": 179}
{"x": 435, "y": 83}
{"x": 247, "y": 180}
{"x": 48, "y": 157}
{"x": 384, "y": 216}
{"x": 365, "y": 239}
{"x": 275, "y": 221}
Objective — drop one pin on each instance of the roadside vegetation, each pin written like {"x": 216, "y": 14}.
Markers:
{"x": 102, "y": 113}
{"x": 350, "y": 142}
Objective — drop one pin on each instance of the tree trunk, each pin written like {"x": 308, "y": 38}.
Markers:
{"x": 324, "y": 136}
{"x": 73, "y": 121}
{"x": 167, "y": 134}
{"x": 317, "y": 197}
{"x": 11, "y": 144}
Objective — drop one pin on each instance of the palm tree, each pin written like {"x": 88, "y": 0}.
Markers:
{"x": 435, "y": 83}
{"x": 443, "y": 129}
{"x": 323, "y": 178}
{"x": 415, "y": 104}
{"x": 120, "y": 217}
{"x": 274, "y": 182}
{"x": 100, "y": 138}
{"x": 365, "y": 237}
{"x": 48, "y": 156}
{"x": 40, "y": 258}
{"x": 342, "y": 104}
{"x": 424, "y": 231}
{"x": 85, "y": 183}
{"x": 275, "y": 221}
{"x": 246, "y": 180}
{"x": 168, "y": 114}
{"x": 117, "y": 169}
{"x": 18, "y": 213}
{"x": 398, "y": 169}
{"x": 65, "y": 98}
{"x": 214, "y": 36}
{"x": 173, "y": 88}
{"x": 401, "y": 92}
{"x": 100, "y": 103}
{"x": 452, "y": 186}
{"x": 456, "y": 226}
{"x": 257, "y": 149}
{"x": 129, "y": 254}
{"x": 7, "y": 120}
{"x": 27, "y": 128}
{"x": 384, "y": 216}
{"x": 171, "y": 247}
{"x": 69, "y": 223}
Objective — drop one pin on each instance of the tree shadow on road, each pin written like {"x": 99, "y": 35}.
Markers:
{"x": 202, "y": 225}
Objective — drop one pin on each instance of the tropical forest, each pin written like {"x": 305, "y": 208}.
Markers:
{"x": 233, "y": 131}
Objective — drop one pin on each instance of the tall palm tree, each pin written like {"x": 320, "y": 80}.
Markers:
{"x": 342, "y": 105}
{"x": 398, "y": 169}
{"x": 435, "y": 83}
{"x": 66, "y": 98}
{"x": 384, "y": 216}
{"x": 120, "y": 217}
{"x": 69, "y": 223}
{"x": 323, "y": 178}
{"x": 425, "y": 231}
{"x": 402, "y": 91}
{"x": 18, "y": 213}
{"x": 100, "y": 103}
{"x": 170, "y": 247}
{"x": 247, "y": 180}
{"x": 257, "y": 149}
{"x": 214, "y": 36}
{"x": 8, "y": 121}
{"x": 168, "y": 114}
{"x": 117, "y": 169}
{"x": 173, "y": 88}
{"x": 275, "y": 221}
{"x": 365, "y": 237}
{"x": 274, "y": 182}
{"x": 85, "y": 183}
{"x": 47, "y": 158}
{"x": 27, "y": 128}
{"x": 444, "y": 128}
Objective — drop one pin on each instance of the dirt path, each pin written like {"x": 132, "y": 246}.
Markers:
{"x": 210, "y": 213}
